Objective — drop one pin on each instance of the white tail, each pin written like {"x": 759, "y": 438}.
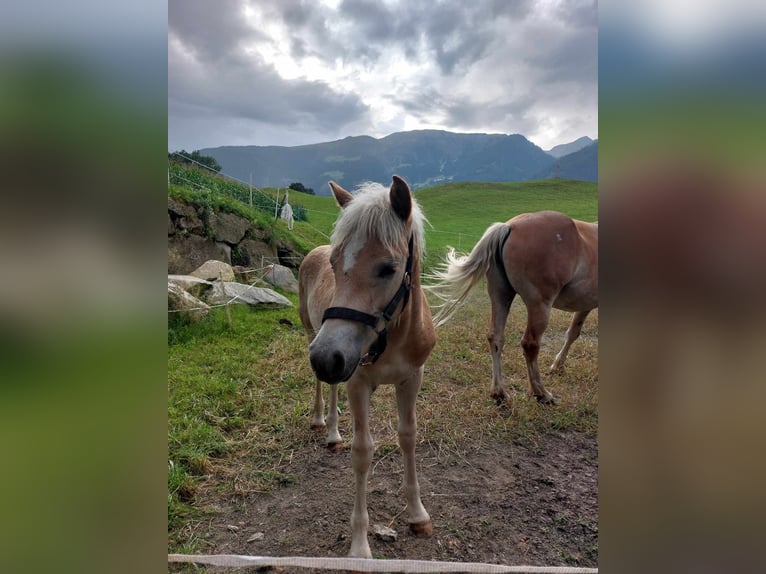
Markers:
{"x": 460, "y": 273}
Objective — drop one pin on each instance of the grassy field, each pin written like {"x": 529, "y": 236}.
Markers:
{"x": 459, "y": 213}
{"x": 240, "y": 394}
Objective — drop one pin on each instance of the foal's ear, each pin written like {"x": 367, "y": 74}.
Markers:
{"x": 341, "y": 195}
{"x": 401, "y": 200}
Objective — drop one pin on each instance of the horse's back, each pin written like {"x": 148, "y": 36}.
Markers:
{"x": 316, "y": 284}
{"x": 550, "y": 256}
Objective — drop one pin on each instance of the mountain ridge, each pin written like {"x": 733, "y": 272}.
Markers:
{"x": 423, "y": 157}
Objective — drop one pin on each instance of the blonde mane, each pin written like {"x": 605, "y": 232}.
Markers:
{"x": 370, "y": 216}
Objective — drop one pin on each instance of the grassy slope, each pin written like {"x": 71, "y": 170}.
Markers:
{"x": 239, "y": 396}
{"x": 459, "y": 213}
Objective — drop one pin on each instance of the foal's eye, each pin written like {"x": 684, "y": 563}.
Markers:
{"x": 386, "y": 271}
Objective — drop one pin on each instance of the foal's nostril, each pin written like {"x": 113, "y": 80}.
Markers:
{"x": 338, "y": 365}
{"x": 330, "y": 369}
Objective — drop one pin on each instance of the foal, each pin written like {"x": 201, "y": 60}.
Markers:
{"x": 368, "y": 323}
{"x": 548, "y": 258}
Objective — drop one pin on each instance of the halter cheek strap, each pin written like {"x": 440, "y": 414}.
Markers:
{"x": 379, "y": 345}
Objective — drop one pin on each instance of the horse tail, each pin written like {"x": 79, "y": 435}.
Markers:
{"x": 460, "y": 273}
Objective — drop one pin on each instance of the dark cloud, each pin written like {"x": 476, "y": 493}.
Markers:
{"x": 501, "y": 66}
{"x": 211, "y": 30}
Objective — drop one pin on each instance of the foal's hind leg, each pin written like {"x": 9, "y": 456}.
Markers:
{"x": 501, "y": 296}
{"x": 538, "y": 315}
{"x": 572, "y": 333}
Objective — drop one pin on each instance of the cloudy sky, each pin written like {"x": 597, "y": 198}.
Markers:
{"x": 294, "y": 72}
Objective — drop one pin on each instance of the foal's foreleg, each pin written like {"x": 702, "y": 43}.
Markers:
{"x": 361, "y": 456}
{"x": 572, "y": 334}
{"x": 538, "y": 315}
{"x": 406, "y": 395}
{"x": 334, "y": 440}
{"x": 317, "y": 417}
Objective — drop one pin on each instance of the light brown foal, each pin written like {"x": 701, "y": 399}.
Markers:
{"x": 369, "y": 324}
{"x": 550, "y": 260}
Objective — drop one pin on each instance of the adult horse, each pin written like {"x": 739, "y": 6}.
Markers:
{"x": 550, "y": 260}
{"x": 369, "y": 323}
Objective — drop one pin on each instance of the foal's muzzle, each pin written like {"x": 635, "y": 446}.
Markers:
{"x": 334, "y": 353}
{"x": 332, "y": 368}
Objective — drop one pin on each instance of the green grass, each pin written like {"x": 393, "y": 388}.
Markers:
{"x": 459, "y": 213}
{"x": 230, "y": 389}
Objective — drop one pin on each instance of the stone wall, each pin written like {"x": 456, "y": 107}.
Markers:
{"x": 197, "y": 234}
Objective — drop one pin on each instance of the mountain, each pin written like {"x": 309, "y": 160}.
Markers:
{"x": 582, "y": 165}
{"x": 571, "y": 147}
{"x": 423, "y": 157}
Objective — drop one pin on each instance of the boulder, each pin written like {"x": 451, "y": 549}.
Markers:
{"x": 191, "y": 284}
{"x": 280, "y": 276}
{"x": 228, "y": 227}
{"x": 185, "y": 304}
{"x": 252, "y": 253}
{"x": 187, "y": 253}
{"x": 288, "y": 256}
{"x": 185, "y": 217}
{"x": 213, "y": 270}
{"x": 228, "y": 291}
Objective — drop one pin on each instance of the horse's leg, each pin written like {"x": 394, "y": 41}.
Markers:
{"x": 572, "y": 333}
{"x": 406, "y": 394}
{"x": 501, "y": 296}
{"x": 334, "y": 440}
{"x": 359, "y": 393}
{"x": 538, "y": 314}
{"x": 317, "y": 417}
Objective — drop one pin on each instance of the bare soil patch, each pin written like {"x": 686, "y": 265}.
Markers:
{"x": 500, "y": 503}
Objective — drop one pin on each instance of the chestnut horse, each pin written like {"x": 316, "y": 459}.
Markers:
{"x": 548, "y": 258}
{"x": 368, "y": 323}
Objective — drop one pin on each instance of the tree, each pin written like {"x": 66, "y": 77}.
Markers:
{"x": 298, "y": 186}
{"x": 195, "y": 156}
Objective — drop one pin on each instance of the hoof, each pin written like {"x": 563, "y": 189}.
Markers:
{"x": 422, "y": 529}
{"x": 501, "y": 399}
{"x": 335, "y": 446}
{"x": 547, "y": 400}
{"x": 318, "y": 427}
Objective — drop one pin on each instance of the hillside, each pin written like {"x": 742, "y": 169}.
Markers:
{"x": 423, "y": 157}
{"x": 458, "y": 213}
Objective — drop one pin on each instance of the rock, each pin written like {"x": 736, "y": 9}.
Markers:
{"x": 187, "y": 253}
{"x": 251, "y": 253}
{"x": 228, "y": 227}
{"x": 185, "y": 304}
{"x": 213, "y": 270}
{"x": 384, "y": 532}
{"x": 185, "y": 217}
{"x": 226, "y": 291}
{"x": 256, "y": 536}
{"x": 288, "y": 256}
{"x": 191, "y": 284}
{"x": 280, "y": 276}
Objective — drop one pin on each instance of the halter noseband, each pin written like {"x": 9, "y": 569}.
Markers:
{"x": 379, "y": 345}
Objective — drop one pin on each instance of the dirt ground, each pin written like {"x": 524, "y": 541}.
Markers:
{"x": 500, "y": 503}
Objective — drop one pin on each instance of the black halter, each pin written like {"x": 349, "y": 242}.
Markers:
{"x": 379, "y": 345}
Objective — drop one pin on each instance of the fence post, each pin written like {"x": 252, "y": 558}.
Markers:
{"x": 251, "y": 188}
